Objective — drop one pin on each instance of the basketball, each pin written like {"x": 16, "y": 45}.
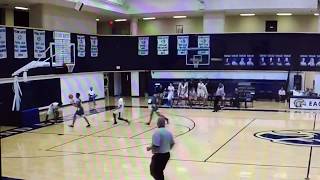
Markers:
{"x": 70, "y": 96}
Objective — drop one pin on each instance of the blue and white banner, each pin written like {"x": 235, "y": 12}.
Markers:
{"x": 143, "y": 46}
{"x": 3, "y": 43}
{"x": 182, "y": 45}
{"x": 81, "y": 45}
{"x": 94, "y": 46}
{"x": 203, "y": 41}
{"x": 39, "y": 44}
{"x": 20, "y": 43}
{"x": 163, "y": 45}
{"x": 62, "y": 49}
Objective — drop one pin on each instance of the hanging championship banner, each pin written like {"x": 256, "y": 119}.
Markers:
{"x": 163, "y": 45}
{"x": 94, "y": 46}
{"x": 62, "y": 48}
{"x": 20, "y": 43}
{"x": 3, "y": 44}
{"x": 143, "y": 46}
{"x": 182, "y": 45}
{"x": 203, "y": 41}
{"x": 39, "y": 44}
{"x": 81, "y": 46}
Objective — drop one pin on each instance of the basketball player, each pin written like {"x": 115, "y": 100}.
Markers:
{"x": 218, "y": 97}
{"x": 154, "y": 109}
{"x": 192, "y": 93}
{"x": 201, "y": 91}
{"x": 92, "y": 100}
{"x": 53, "y": 110}
{"x": 206, "y": 94}
{"x": 182, "y": 91}
{"x": 120, "y": 111}
{"x": 170, "y": 94}
{"x": 79, "y": 109}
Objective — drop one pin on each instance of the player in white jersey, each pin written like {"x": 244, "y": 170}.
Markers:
{"x": 202, "y": 92}
{"x": 182, "y": 91}
{"x": 120, "y": 111}
{"x": 206, "y": 94}
{"x": 170, "y": 94}
{"x": 92, "y": 100}
{"x": 53, "y": 110}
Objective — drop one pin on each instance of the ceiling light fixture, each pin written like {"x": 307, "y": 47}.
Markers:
{"x": 148, "y": 18}
{"x": 97, "y": 19}
{"x": 316, "y": 14}
{"x": 120, "y": 20}
{"x": 284, "y": 14}
{"x": 247, "y": 14}
{"x": 21, "y": 8}
{"x": 179, "y": 17}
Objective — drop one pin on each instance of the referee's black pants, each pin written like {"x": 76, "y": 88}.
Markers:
{"x": 158, "y": 164}
{"x": 216, "y": 103}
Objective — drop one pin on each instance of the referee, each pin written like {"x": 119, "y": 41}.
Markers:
{"x": 162, "y": 143}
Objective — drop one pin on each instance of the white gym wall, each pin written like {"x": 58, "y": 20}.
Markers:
{"x": 80, "y": 83}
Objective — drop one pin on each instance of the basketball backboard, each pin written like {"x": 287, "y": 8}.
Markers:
{"x": 198, "y": 57}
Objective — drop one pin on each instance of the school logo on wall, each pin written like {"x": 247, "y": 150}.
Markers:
{"x": 292, "y": 137}
{"x": 304, "y": 103}
{"x": 299, "y": 103}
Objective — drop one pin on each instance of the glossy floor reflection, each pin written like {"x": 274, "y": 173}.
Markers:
{"x": 208, "y": 146}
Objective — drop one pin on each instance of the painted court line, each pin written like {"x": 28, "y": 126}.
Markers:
{"x": 229, "y": 140}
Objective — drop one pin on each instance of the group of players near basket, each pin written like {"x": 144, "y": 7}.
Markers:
{"x": 117, "y": 113}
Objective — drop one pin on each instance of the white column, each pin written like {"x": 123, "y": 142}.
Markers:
{"x": 9, "y": 17}
{"x": 117, "y": 84}
{"x": 213, "y": 22}
{"x": 318, "y": 24}
{"x": 134, "y": 26}
{"x": 135, "y": 83}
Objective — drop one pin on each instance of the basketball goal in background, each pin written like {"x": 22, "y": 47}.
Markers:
{"x": 198, "y": 57}
{"x": 61, "y": 56}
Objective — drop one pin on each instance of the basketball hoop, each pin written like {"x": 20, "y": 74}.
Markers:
{"x": 69, "y": 67}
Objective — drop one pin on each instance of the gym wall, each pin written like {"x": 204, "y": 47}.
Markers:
{"x": 80, "y": 83}
{"x": 121, "y": 51}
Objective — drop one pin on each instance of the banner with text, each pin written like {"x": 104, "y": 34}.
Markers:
{"x": 203, "y": 41}
{"x": 81, "y": 46}
{"x": 3, "y": 44}
{"x": 94, "y": 46}
{"x": 39, "y": 44}
{"x": 182, "y": 45}
{"x": 304, "y": 103}
{"x": 20, "y": 44}
{"x": 62, "y": 49}
{"x": 163, "y": 45}
{"x": 143, "y": 46}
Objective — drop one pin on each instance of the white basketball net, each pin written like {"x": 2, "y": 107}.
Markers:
{"x": 70, "y": 67}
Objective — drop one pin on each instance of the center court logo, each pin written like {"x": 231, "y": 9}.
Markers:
{"x": 299, "y": 103}
{"x": 292, "y": 137}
